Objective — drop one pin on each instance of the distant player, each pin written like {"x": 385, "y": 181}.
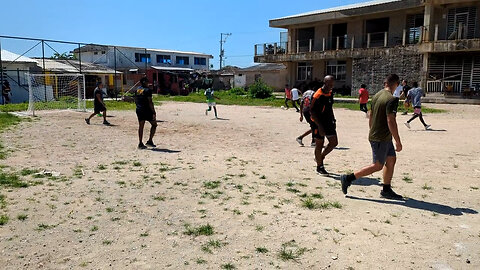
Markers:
{"x": 296, "y": 98}
{"x": 405, "y": 89}
{"x": 415, "y": 97}
{"x": 363, "y": 98}
{"x": 145, "y": 112}
{"x": 321, "y": 110}
{"x": 211, "y": 101}
{"x": 98, "y": 104}
{"x": 383, "y": 126}
{"x": 6, "y": 90}
{"x": 305, "y": 112}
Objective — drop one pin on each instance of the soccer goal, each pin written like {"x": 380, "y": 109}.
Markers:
{"x": 56, "y": 91}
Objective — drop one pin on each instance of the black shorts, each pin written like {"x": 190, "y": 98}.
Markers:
{"x": 382, "y": 150}
{"x": 144, "y": 115}
{"x": 99, "y": 108}
{"x": 313, "y": 126}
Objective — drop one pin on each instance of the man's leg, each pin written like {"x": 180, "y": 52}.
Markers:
{"x": 305, "y": 134}
{"x": 153, "y": 128}
{"x": 295, "y": 105}
{"x": 420, "y": 116}
{"x": 318, "y": 151}
{"x": 413, "y": 118}
{"x": 141, "y": 124}
{"x": 286, "y": 103}
{"x": 388, "y": 170}
{"x": 215, "y": 110}
{"x": 332, "y": 143}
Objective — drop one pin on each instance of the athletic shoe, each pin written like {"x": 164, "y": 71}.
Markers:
{"x": 427, "y": 127}
{"x": 345, "y": 183}
{"x": 87, "y": 121}
{"x": 313, "y": 144}
{"x": 299, "y": 141}
{"x": 105, "y": 122}
{"x": 141, "y": 146}
{"x": 321, "y": 170}
{"x": 150, "y": 143}
{"x": 407, "y": 124}
{"x": 390, "y": 194}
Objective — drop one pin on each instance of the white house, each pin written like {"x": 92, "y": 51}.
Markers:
{"x": 14, "y": 68}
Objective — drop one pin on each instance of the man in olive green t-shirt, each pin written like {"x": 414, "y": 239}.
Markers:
{"x": 383, "y": 126}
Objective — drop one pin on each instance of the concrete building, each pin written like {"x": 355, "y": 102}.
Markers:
{"x": 434, "y": 42}
{"x": 14, "y": 68}
{"x": 274, "y": 75}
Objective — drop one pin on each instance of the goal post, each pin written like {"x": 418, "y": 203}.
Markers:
{"x": 56, "y": 91}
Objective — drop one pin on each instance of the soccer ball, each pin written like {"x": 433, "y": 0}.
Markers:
{"x": 283, "y": 107}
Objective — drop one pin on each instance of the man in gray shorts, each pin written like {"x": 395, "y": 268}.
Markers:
{"x": 383, "y": 126}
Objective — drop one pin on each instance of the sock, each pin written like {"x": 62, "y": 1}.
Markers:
{"x": 351, "y": 177}
{"x": 386, "y": 187}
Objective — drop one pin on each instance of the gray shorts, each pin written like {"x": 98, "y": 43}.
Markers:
{"x": 382, "y": 150}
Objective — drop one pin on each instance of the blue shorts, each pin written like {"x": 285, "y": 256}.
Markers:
{"x": 382, "y": 150}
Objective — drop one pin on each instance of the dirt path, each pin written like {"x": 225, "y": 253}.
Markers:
{"x": 116, "y": 207}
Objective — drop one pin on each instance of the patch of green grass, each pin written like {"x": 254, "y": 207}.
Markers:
{"x": 94, "y": 228}
{"x": 294, "y": 190}
{"x": 159, "y": 198}
{"x": 427, "y": 187}
{"x": 290, "y": 251}
{"x": 101, "y": 167}
{"x": 327, "y": 205}
{"x": 137, "y": 163}
{"x": 407, "y": 179}
{"x": 317, "y": 196}
{"x": 42, "y": 227}
{"x": 109, "y": 209}
{"x": 211, "y": 184}
{"x": 27, "y": 171}
{"x": 228, "y": 266}
{"x": 200, "y": 230}
{"x": 11, "y": 180}
{"x": 309, "y": 203}
{"x": 4, "y": 220}
{"x": 22, "y": 217}
{"x": 200, "y": 261}
{"x": 3, "y": 202}
{"x": 261, "y": 250}
{"x": 107, "y": 242}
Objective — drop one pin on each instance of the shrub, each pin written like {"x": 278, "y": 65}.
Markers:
{"x": 260, "y": 90}
{"x": 238, "y": 91}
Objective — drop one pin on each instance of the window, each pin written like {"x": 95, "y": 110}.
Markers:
{"x": 182, "y": 60}
{"x": 95, "y": 53}
{"x": 337, "y": 69}
{"x": 103, "y": 52}
{"x": 142, "y": 57}
{"x": 304, "y": 71}
{"x": 200, "y": 61}
{"x": 163, "y": 59}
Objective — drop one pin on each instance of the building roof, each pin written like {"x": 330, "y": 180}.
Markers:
{"x": 172, "y": 68}
{"x": 362, "y": 8}
{"x": 73, "y": 66}
{"x": 265, "y": 67}
{"x": 94, "y": 47}
{"x": 8, "y": 56}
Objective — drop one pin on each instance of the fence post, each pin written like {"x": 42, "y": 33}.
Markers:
{"x": 385, "y": 39}
{"x": 323, "y": 44}
{"x": 404, "y": 37}
{"x": 298, "y": 46}
{"x": 115, "y": 68}
{"x": 310, "y": 45}
{"x": 368, "y": 40}
{"x": 275, "y": 48}
{"x": 264, "y": 49}
{"x": 255, "y": 49}
{"x": 460, "y": 31}
{"x": 353, "y": 42}
{"x": 338, "y": 43}
{"x": 436, "y": 32}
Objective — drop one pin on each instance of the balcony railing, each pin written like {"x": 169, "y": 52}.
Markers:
{"x": 447, "y": 87}
{"x": 411, "y": 36}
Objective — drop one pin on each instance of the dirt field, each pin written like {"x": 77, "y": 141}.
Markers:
{"x": 231, "y": 194}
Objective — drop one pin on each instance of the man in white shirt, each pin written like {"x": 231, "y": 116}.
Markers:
{"x": 295, "y": 98}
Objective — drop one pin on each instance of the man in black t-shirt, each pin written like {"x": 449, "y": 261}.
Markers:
{"x": 321, "y": 109}
{"x": 145, "y": 112}
{"x": 98, "y": 104}
{"x": 405, "y": 89}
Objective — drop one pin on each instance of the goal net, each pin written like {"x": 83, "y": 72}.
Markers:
{"x": 56, "y": 91}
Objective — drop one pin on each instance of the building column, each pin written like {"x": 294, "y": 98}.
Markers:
{"x": 424, "y": 75}
{"x": 428, "y": 21}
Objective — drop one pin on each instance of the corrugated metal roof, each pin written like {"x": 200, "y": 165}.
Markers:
{"x": 11, "y": 57}
{"x": 172, "y": 68}
{"x": 264, "y": 67}
{"x": 73, "y": 66}
{"x": 340, "y": 8}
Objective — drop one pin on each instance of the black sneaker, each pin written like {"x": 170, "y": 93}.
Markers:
{"x": 87, "y": 121}
{"x": 390, "y": 194}
{"x": 345, "y": 183}
{"x": 321, "y": 170}
{"x": 105, "y": 122}
{"x": 141, "y": 146}
{"x": 150, "y": 143}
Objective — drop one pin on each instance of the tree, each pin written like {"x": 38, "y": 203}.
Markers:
{"x": 63, "y": 56}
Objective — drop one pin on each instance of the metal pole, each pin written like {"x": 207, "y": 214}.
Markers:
{"x": 221, "y": 50}
{"x": 43, "y": 60}
{"x": 115, "y": 69}
{"x": 146, "y": 60}
{"x": 80, "y": 57}
{"x": 1, "y": 69}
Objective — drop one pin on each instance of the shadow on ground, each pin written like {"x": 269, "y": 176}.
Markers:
{"x": 422, "y": 205}
{"x": 364, "y": 181}
{"x": 164, "y": 150}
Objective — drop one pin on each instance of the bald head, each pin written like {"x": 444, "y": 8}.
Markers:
{"x": 329, "y": 81}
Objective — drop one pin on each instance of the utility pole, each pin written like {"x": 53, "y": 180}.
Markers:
{"x": 222, "y": 41}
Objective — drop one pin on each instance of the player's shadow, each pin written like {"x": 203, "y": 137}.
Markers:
{"x": 422, "y": 205}
{"x": 219, "y": 118}
{"x": 364, "y": 181}
{"x": 164, "y": 150}
{"x": 433, "y": 130}
{"x": 342, "y": 148}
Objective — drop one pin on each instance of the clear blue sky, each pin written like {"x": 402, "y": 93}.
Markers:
{"x": 187, "y": 25}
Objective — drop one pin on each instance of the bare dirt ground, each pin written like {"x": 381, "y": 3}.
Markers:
{"x": 245, "y": 181}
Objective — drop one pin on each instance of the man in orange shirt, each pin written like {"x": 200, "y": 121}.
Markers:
{"x": 363, "y": 98}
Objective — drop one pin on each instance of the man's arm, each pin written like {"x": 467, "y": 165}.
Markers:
{"x": 301, "y": 111}
{"x": 152, "y": 108}
{"x": 316, "y": 119}
{"x": 99, "y": 98}
{"x": 392, "y": 126}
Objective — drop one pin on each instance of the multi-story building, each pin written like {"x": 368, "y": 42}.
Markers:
{"x": 434, "y": 42}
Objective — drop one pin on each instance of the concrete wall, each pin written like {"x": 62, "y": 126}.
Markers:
{"x": 373, "y": 70}
{"x": 275, "y": 79}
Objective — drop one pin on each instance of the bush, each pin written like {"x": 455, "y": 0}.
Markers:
{"x": 260, "y": 90}
{"x": 238, "y": 91}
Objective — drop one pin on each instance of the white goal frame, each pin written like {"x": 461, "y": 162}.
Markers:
{"x": 45, "y": 88}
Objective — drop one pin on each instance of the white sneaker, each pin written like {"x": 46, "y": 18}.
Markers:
{"x": 427, "y": 127}
{"x": 407, "y": 124}
{"x": 313, "y": 144}
{"x": 299, "y": 141}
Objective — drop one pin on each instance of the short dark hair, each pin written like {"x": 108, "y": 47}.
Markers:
{"x": 415, "y": 84}
{"x": 392, "y": 78}
{"x": 143, "y": 79}
{"x": 363, "y": 85}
